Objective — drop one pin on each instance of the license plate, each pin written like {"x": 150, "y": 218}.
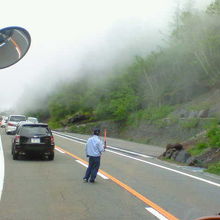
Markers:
{"x": 35, "y": 140}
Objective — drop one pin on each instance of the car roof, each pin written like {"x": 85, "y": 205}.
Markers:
{"x": 17, "y": 115}
{"x": 26, "y": 124}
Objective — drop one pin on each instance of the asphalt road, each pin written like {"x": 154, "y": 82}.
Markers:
{"x": 41, "y": 189}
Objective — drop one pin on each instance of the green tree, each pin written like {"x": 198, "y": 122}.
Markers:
{"x": 214, "y": 8}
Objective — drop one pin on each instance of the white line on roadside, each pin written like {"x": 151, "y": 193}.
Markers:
{"x": 155, "y": 213}
{"x": 131, "y": 152}
{"x": 166, "y": 168}
{"x": 100, "y": 174}
{"x": 2, "y": 168}
{"x": 71, "y": 139}
{"x": 68, "y": 137}
{"x": 60, "y": 150}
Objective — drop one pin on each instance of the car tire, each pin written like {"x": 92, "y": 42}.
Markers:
{"x": 51, "y": 156}
{"x": 14, "y": 155}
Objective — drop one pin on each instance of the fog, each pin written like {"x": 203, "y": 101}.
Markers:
{"x": 72, "y": 37}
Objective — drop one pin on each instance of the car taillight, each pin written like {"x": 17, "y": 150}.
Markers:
{"x": 52, "y": 140}
{"x": 10, "y": 124}
{"x": 17, "y": 139}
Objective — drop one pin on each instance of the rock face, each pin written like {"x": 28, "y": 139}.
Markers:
{"x": 183, "y": 113}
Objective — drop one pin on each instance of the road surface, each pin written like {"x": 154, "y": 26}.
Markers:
{"x": 133, "y": 184}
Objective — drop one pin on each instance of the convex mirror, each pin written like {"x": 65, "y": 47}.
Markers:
{"x": 14, "y": 44}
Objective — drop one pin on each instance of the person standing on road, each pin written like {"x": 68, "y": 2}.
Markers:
{"x": 94, "y": 149}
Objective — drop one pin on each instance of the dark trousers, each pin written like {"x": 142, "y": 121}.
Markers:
{"x": 92, "y": 170}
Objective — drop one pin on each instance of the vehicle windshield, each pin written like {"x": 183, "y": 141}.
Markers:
{"x": 17, "y": 118}
{"x": 34, "y": 130}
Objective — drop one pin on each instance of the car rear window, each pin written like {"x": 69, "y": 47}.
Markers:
{"x": 33, "y": 120}
{"x": 34, "y": 130}
{"x": 17, "y": 118}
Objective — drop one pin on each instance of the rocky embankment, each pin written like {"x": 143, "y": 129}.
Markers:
{"x": 178, "y": 153}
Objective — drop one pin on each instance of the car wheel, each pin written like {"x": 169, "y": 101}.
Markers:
{"x": 15, "y": 156}
{"x": 51, "y": 156}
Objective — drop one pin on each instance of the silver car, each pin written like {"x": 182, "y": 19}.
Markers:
{"x": 13, "y": 120}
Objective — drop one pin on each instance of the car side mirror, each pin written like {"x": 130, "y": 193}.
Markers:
{"x": 14, "y": 44}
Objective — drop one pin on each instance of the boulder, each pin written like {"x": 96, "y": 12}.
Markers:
{"x": 172, "y": 151}
{"x": 193, "y": 114}
{"x": 203, "y": 113}
{"x": 174, "y": 155}
{"x": 191, "y": 161}
{"x": 183, "y": 113}
{"x": 169, "y": 146}
{"x": 182, "y": 156}
{"x": 176, "y": 146}
{"x": 167, "y": 154}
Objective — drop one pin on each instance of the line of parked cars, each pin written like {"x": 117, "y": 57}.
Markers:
{"x": 30, "y": 136}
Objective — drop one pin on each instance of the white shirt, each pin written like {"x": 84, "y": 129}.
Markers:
{"x": 94, "y": 146}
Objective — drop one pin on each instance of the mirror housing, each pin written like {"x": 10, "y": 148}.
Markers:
{"x": 14, "y": 44}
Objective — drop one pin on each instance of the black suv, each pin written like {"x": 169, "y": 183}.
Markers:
{"x": 33, "y": 139}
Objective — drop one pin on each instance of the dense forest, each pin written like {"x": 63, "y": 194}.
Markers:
{"x": 151, "y": 86}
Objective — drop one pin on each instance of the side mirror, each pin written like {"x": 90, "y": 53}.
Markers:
{"x": 14, "y": 44}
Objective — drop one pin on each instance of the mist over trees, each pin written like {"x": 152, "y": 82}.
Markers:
{"x": 186, "y": 67}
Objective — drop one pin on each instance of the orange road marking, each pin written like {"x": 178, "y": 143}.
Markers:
{"x": 17, "y": 47}
{"x": 129, "y": 189}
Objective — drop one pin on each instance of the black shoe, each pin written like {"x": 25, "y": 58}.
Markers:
{"x": 92, "y": 181}
{"x": 85, "y": 180}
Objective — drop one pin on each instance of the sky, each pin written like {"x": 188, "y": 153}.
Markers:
{"x": 67, "y": 33}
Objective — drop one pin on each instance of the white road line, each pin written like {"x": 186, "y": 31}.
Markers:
{"x": 2, "y": 168}
{"x": 100, "y": 174}
{"x": 60, "y": 150}
{"x": 131, "y": 152}
{"x": 154, "y": 164}
{"x": 71, "y": 139}
{"x": 166, "y": 168}
{"x": 155, "y": 213}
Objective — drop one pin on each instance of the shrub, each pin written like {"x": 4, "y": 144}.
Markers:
{"x": 214, "y": 168}
{"x": 153, "y": 114}
{"x": 212, "y": 140}
{"x": 190, "y": 123}
{"x": 198, "y": 149}
{"x": 214, "y": 136}
{"x": 54, "y": 124}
